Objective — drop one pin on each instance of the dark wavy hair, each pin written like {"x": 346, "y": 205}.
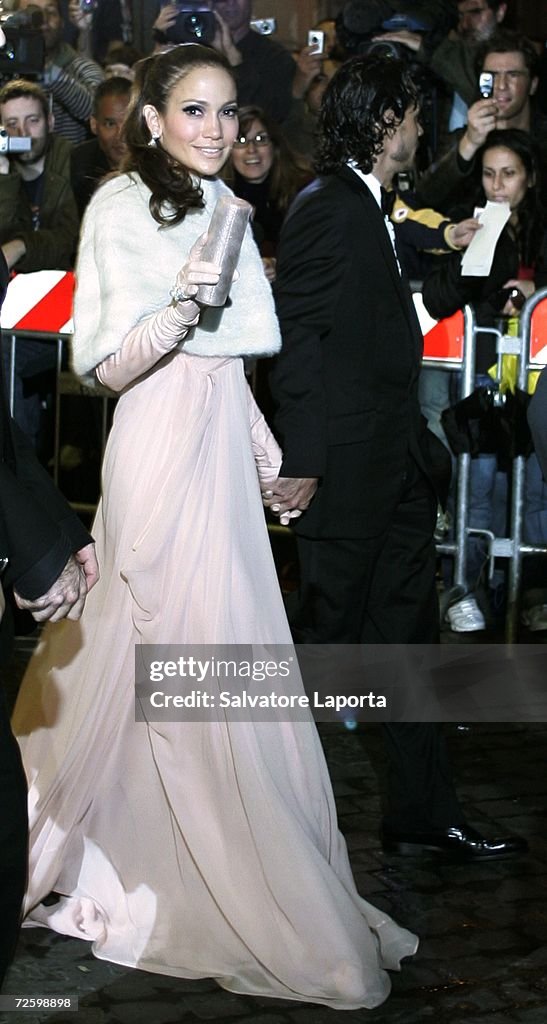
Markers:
{"x": 530, "y": 226}
{"x": 174, "y": 192}
{"x": 365, "y": 100}
{"x": 505, "y": 40}
{"x": 289, "y": 172}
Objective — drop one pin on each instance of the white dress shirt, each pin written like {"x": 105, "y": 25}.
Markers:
{"x": 376, "y": 188}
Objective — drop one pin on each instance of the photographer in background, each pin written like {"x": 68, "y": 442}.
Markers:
{"x": 264, "y": 70}
{"x": 511, "y": 60}
{"x": 453, "y": 58}
{"x": 70, "y": 79}
{"x": 38, "y": 221}
{"x": 100, "y": 24}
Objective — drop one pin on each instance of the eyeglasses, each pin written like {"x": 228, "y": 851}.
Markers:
{"x": 262, "y": 139}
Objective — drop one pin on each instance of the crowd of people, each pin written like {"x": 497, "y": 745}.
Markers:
{"x": 128, "y": 157}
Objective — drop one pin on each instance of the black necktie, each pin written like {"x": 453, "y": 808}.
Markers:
{"x": 387, "y": 201}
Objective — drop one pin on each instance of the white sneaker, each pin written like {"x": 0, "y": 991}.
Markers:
{"x": 535, "y": 618}
{"x": 465, "y": 616}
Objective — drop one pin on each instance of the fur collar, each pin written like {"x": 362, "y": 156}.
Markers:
{"x": 127, "y": 265}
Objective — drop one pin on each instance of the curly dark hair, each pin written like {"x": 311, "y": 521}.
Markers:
{"x": 530, "y": 226}
{"x": 365, "y": 100}
{"x": 173, "y": 189}
{"x": 289, "y": 172}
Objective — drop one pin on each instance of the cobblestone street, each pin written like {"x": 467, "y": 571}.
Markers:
{"x": 483, "y": 929}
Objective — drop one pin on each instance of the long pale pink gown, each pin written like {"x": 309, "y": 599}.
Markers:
{"x": 191, "y": 849}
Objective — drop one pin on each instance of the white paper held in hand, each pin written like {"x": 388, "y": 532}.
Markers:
{"x": 224, "y": 240}
{"x": 478, "y": 257}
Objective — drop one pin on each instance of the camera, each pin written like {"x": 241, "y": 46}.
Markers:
{"x": 195, "y": 23}
{"x": 264, "y": 26}
{"x": 486, "y": 84}
{"x": 500, "y": 298}
{"x": 361, "y": 20}
{"x": 24, "y": 52}
{"x": 14, "y": 144}
{"x": 317, "y": 38}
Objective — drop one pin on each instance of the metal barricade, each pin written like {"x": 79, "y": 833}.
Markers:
{"x": 450, "y": 351}
{"x": 532, "y": 355}
{"x": 449, "y": 345}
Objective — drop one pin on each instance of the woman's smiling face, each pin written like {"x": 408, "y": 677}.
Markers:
{"x": 253, "y": 153}
{"x": 200, "y": 124}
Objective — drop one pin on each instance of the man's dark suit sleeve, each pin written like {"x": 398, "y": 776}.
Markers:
{"x": 40, "y": 529}
{"x": 312, "y": 262}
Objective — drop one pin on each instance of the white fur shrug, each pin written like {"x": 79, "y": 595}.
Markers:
{"x": 127, "y": 265}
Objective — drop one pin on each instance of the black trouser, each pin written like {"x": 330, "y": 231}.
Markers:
{"x": 13, "y": 840}
{"x": 382, "y": 590}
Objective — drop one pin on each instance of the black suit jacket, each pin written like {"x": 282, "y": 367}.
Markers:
{"x": 346, "y": 381}
{"x": 88, "y": 166}
{"x": 38, "y": 529}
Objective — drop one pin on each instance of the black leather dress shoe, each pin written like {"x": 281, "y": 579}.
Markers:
{"x": 461, "y": 842}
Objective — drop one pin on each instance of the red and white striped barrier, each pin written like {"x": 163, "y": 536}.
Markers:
{"x": 538, "y": 335}
{"x": 443, "y": 339}
{"x": 39, "y": 302}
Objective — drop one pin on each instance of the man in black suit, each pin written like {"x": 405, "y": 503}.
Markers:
{"x": 355, "y": 444}
{"x": 48, "y": 560}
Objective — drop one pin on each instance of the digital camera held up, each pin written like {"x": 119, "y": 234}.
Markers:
{"x": 195, "y": 23}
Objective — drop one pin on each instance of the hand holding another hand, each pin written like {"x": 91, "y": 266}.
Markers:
{"x": 288, "y": 496}
{"x": 65, "y": 598}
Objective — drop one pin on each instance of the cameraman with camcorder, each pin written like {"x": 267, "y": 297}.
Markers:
{"x": 70, "y": 79}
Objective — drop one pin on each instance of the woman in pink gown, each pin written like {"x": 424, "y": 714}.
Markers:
{"x": 196, "y": 849}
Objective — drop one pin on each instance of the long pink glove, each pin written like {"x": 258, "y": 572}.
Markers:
{"x": 267, "y": 453}
{"x": 146, "y": 344}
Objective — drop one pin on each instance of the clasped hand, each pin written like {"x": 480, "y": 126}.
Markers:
{"x": 289, "y": 496}
{"x": 65, "y": 598}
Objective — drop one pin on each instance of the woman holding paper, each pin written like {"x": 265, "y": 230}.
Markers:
{"x": 510, "y": 175}
{"x": 204, "y": 848}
